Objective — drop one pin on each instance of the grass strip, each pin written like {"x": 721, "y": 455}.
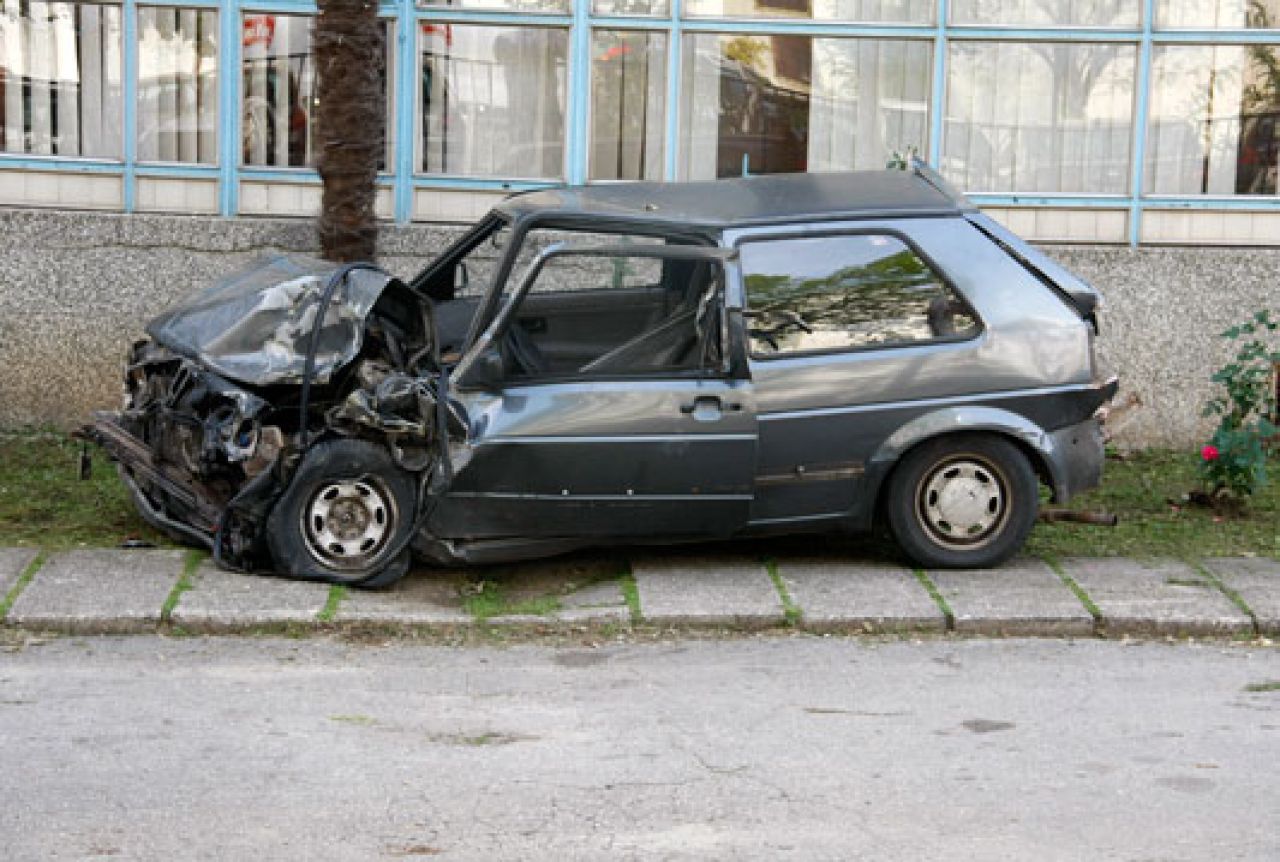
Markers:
{"x": 932, "y": 589}
{"x": 1074, "y": 586}
{"x": 337, "y": 593}
{"x": 23, "y": 579}
{"x": 1232, "y": 596}
{"x": 631, "y": 595}
{"x": 791, "y": 613}
{"x": 185, "y": 582}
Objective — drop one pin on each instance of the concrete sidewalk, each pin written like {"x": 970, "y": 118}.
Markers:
{"x": 138, "y": 591}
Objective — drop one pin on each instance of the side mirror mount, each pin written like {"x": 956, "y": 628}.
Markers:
{"x": 485, "y": 371}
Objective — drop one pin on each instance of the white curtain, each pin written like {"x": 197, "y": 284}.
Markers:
{"x": 1043, "y": 117}
{"x": 493, "y": 101}
{"x": 177, "y": 85}
{"x": 67, "y": 56}
{"x": 628, "y": 105}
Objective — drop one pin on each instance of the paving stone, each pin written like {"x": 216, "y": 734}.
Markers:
{"x": 424, "y": 597}
{"x": 597, "y": 602}
{"x": 709, "y": 591}
{"x": 1166, "y": 597}
{"x": 229, "y": 601}
{"x": 1257, "y": 580}
{"x": 836, "y": 595}
{"x": 1022, "y": 597}
{"x": 13, "y": 562}
{"x": 99, "y": 592}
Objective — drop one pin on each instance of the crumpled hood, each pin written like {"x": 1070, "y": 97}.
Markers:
{"x": 254, "y": 326}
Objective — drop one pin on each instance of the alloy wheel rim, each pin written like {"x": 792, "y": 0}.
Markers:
{"x": 347, "y": 523}
{"x": 963, "y": 502}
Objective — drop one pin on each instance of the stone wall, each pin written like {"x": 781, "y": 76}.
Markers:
{"x": 79, "y": 286}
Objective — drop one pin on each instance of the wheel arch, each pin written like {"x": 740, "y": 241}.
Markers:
{"x": 1031, "y": 440}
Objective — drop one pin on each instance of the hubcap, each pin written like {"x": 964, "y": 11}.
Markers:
{"x": 962, "y": 502}
{"x": 348, "y": 523}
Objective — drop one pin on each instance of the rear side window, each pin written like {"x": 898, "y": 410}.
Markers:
{"x": 843, "y": 293}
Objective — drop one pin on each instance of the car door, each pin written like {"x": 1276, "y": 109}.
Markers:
{"x": 649, "y": 434}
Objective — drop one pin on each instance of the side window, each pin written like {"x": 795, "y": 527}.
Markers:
{"x": 595, "y": 315}
{"x": 845, "y": 292}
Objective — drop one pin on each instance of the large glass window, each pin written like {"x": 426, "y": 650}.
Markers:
{"x": 61, "y": 76}
{"x": 1214, "y": 117}
{"x": 493, "y": 100}
{"x": 628, "y": 104}
{"x": 1047, "y": 13}
{"x": 1039, "y": 117}
{"x": 845, "y": 292}
{"x": 867, "y": 11}
{"x": 177, "y": 85}
{"x": 779, "y": 104}
{"x": 1261, "y": 14}
{"x": 278, "y": 93}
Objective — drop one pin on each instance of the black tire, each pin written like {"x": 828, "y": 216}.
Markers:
{"x": 962, "y": 502}
{"x": 348, "y": 508}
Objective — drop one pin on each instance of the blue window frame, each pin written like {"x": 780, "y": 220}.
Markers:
{"x": 1148, "y": 32}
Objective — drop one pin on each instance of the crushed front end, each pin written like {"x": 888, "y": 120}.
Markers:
{"x": 237, "y": 387}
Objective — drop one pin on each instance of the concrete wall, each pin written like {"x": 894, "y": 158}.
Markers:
{"x": 77, "y": 288}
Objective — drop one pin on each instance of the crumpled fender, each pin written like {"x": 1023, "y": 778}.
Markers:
{"x": 254, "y": 326}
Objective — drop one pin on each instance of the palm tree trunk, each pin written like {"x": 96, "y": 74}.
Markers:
{"x": 351, "y": 117}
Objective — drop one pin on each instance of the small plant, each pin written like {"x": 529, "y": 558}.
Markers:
{"x": 1234, "y": 461}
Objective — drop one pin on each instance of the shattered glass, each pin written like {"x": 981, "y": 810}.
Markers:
{"x": 254, "y": 326}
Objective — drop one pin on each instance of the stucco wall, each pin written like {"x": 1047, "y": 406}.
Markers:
{"x": 77, "y": 288}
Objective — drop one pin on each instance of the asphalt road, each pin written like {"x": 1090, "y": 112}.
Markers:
{"x": 803, "y": 748}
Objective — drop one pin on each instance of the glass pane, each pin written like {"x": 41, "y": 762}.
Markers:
{"x": 1214, "y": 117}
{"x": 1039, "y": 117}
{"x": 779, "y": 104}
{"x": 1047, "y": 13}
{"x": 868, "y": 11}
{"x": 628, "y": 104}
{"x": 1261, "y": 14}
{"x": 843, "y": 292}
{"x": 505, "y": 5}
{"x": 278, "y": 91}
{"x": 177, "y": 85}
{"x": 493, "y": 100}
{"x": 613, "y": 315}
{"x": 61, "y": 72}
{"x": 631, "y": 7}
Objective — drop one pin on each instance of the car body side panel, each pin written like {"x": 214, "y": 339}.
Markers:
{"x": 635, "y": 457}
{"x": 825, "y": 416}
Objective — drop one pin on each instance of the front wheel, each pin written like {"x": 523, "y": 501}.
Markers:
{"x": 963, "y": 502}
{"x": 344, "y": 517}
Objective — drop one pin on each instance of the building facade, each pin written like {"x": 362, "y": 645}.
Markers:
{"x": 1099, "y": 121}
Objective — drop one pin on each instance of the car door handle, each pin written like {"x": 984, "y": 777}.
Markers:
{"x": 707, "y": 408}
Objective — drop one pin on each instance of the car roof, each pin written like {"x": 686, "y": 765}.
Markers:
{"x": 746, "y": 201}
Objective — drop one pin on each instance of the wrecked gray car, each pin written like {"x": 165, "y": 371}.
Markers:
{"x": 626, "y": 363}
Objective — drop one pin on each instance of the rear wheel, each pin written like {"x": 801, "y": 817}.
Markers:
{"x": 963, "y": 502}
{"x": 344, "y": 517}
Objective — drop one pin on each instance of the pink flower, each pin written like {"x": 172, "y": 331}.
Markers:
{"x": 1210, "y": 453}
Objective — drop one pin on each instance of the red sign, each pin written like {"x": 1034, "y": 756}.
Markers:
{"x": 259, "y": 30}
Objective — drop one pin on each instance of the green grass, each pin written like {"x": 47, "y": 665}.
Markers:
{"x": 1258, "y": 687}
{"x": 489, "y": 599}
{"x": 790, "y": 610}
{"x": 7, "y": 600}
{"x": 337, "y": 593}
{"x": 185, "y": 582}
{"x": 631, "y": 595}
{"x": 44, "y": 504}
{"x": 938, "y": 598}
{"x": 1146, "y": 491}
